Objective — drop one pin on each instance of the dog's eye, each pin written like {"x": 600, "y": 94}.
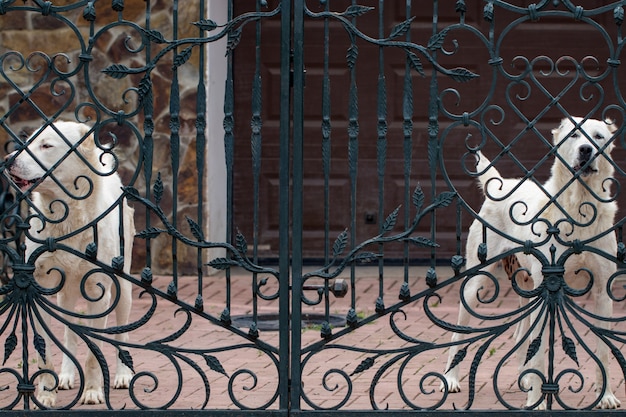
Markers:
{"x": 598, "y": 137}
{"x": 575, "y": 135}
{"x": 46, "y": 146}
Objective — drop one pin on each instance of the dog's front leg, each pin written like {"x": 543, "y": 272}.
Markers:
{"x": 47, "y": 390}
{"x": 604, "y": 308}
{"x": 452, "y": 374}
{"x": 535, "y": 366}
{"x": 123, "y": 373}
{"x": 94, "y": 392}
{"x": 66, "y": 299}
{"x": 521, "y": 337}
{"x": 470, "y": 295}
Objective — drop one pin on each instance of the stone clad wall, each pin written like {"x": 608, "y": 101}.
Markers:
{"x": 35, "y": 35}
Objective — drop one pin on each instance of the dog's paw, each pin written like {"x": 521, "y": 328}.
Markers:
{"x": 92, "y": 396}
{"x": 66, "y": 380}
{"x": 122, "y": 378}
{"x": 541, "y": 407}
{"x": 48, "y": 399}
{"x": 609, "y": 401}
{"x": 453, "y": 385}
{"x": 534, "y": 402}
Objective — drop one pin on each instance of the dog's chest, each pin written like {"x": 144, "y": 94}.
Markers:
{"x": 582, "y": 220}
{"x": 56, "y": 257}
{"x": 52, "y": 267}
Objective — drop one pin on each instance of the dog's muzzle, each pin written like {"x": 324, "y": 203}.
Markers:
{"x": 585, "y": 154}
{"x": 21, "y": 183}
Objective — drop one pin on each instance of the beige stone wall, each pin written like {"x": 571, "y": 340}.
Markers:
{"x": 36, "y": 37}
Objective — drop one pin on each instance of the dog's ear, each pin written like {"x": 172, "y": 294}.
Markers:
{"x": 556, "y": 130}
{"x": 88, "y": 143}
{"x": 610, "y": 124}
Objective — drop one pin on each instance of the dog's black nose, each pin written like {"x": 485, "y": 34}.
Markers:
{"x": 584, "y": 152}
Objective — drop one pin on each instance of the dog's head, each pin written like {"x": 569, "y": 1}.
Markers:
{"x": 585, "y": 146}
{"x": 63, "y": 155}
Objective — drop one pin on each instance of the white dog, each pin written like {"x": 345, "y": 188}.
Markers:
{"x": 72, "y": 181}
{"x": 578, "y": 189}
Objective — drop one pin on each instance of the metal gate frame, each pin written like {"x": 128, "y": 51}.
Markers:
{"x": 291, "y": 274}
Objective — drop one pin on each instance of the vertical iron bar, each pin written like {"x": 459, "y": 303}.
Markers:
{"x": 200, "y": 149}
{"x": 120, "y": 229}
{"x": 175, "y": 145}
{"x": 407, "y": 126}
{"x": 552, "y": 311}
{"x": 229, "y": 149}
{"x": 433, "y": 134}
{"x": 24, "y": 309}
{"x": 290, "y": 330}
{"x": 326, "y": 155}
{"x": 459, "y": 211}
{"x": 353, "y": 154}
{"x": 326, "y": 136}
{"x": 148, "y": 142}
{"x": 381, "y": 150}
{"x": 256, "y": 142}
{"x": 459, "y": 227}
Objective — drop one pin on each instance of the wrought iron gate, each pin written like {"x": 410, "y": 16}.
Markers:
{"x": 310, "y": 260}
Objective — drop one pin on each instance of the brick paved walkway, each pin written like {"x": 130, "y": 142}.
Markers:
{"x": 323, "y": 369}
